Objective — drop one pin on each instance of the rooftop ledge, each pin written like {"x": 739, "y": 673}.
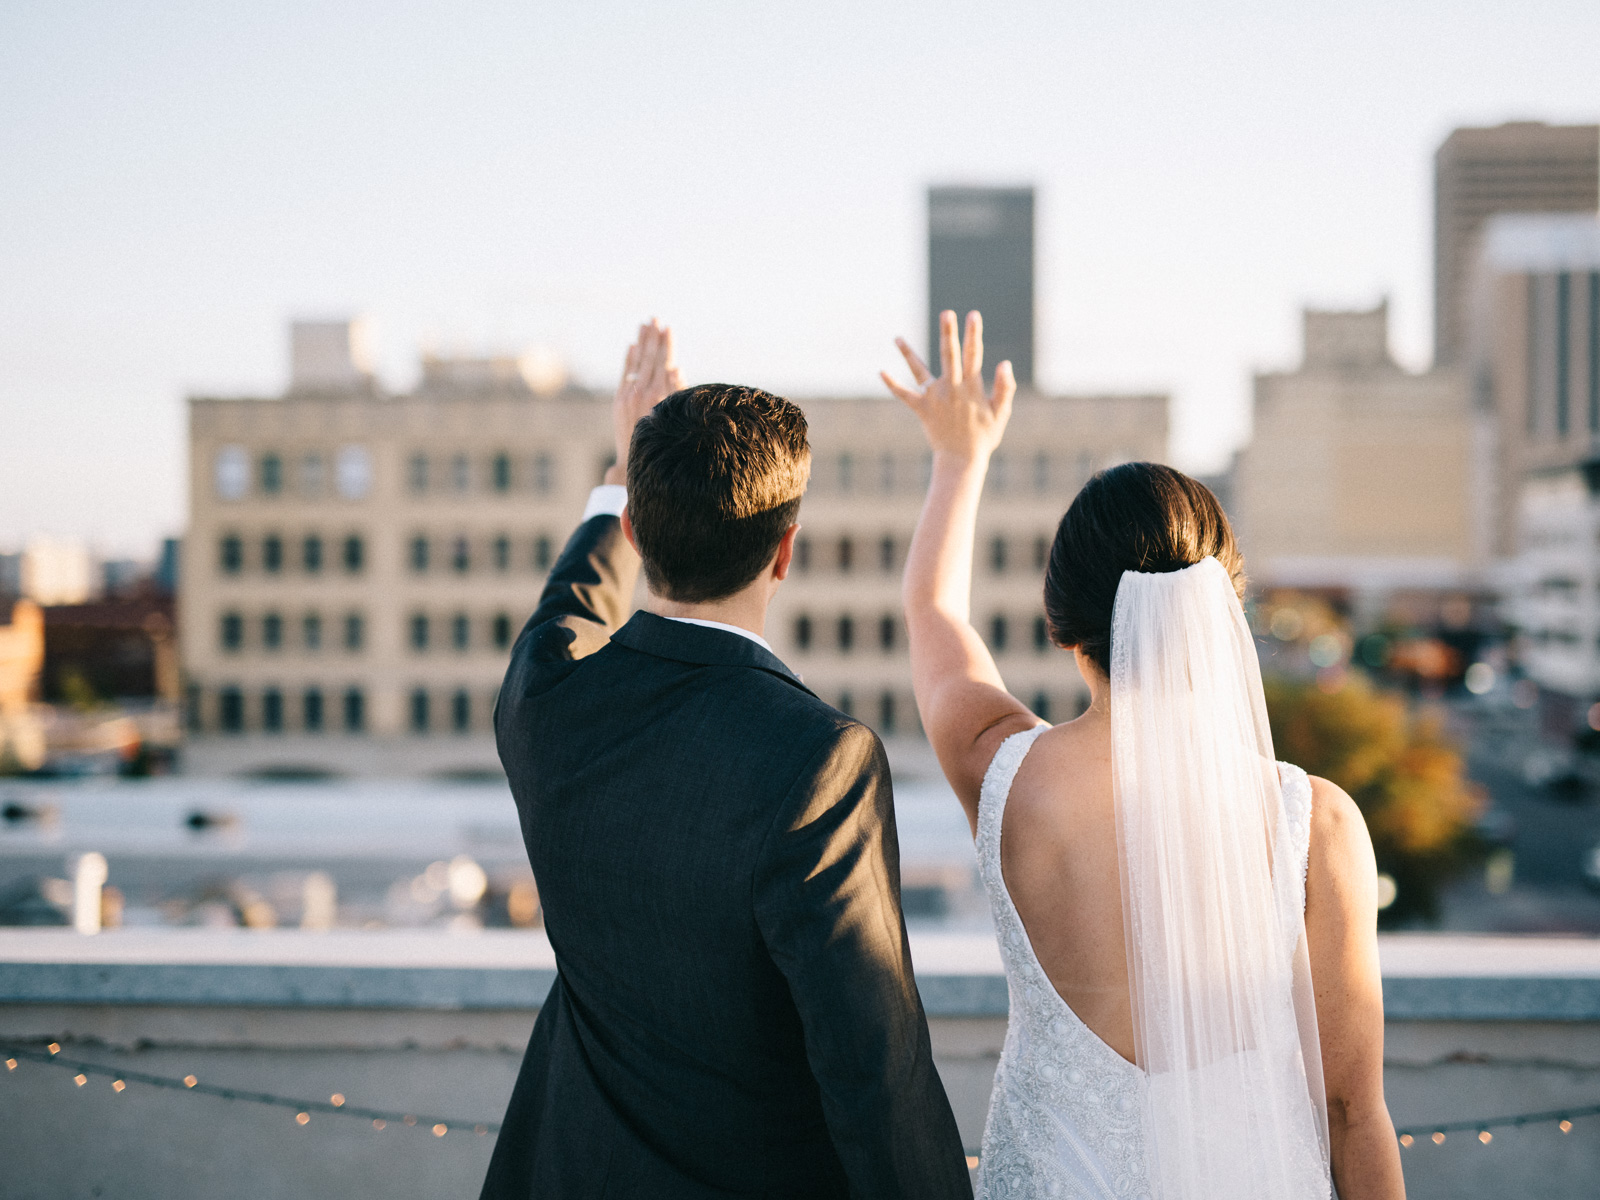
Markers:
{"x": 1425, "y": 977}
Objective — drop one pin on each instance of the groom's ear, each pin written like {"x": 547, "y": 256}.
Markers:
{"x": 627, "y": 531}
{"x": 785, "y": 554}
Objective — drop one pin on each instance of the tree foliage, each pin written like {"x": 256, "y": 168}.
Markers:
{"x": 1399, "y": 766}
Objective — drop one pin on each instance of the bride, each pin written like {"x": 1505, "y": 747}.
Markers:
{"x": 1188, "y": 929}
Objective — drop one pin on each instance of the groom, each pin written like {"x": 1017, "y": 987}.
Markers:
{"x": 734, "y": 1012}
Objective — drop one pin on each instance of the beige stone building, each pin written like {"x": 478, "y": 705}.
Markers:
{"x": 357, "y": 564}
{"x": 1362, "y": 475}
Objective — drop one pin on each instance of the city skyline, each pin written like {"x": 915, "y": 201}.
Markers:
{"x": 185, "y": 182}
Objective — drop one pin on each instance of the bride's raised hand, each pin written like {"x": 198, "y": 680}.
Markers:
{"x": 957, "y": 416}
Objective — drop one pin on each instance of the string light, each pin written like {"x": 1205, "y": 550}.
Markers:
{"x": 1565, "y": 1127}
{"x": 1561, "y": 1117}
{"x": 1406, "y": 1139}
{"x": 1485, "y": 1136}
{"x": 1438, "y": 1139}
{"x": 336, "y": 1104}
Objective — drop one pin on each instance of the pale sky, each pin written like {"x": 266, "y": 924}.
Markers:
{"x": 178, "y": 181}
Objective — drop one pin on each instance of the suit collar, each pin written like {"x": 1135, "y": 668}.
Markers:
{"x": 650, "y": 634}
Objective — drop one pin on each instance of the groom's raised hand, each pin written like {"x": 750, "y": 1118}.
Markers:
{"x": 649, "y": 375}
{"x": 958, "y": 418}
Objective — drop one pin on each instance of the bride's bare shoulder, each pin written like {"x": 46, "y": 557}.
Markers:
{"x": 1341, "y": 866}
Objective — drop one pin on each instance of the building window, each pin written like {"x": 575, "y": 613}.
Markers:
{"x": 230, "y": 554}
{"x": 802, "y": 632}
{"x": 419, "y": 554}
{"x": 886, "y": 473}
{"x": 544, "y": 473}
{"x": 887, "y": 632}
{"x": 541, "y": 553}
{"x": 272, "y": 554}
{"x": 997, "y": 555}
{"x": 1594, "y": 351}
{"x": 847, "y": 633}
{"x": 1041, "y": 706}
{"x": 272, "y": 711}
{"x": 1041, "y": 634}
{"x": 271, "y": 471}
{"x": 230, "y": 710}
{"x": 311, "y": 710}
{"x": 460, "y": 631}
{"x": 460, "y": 555}
{"x": 502, "y": 553}
{"x": 232, "y": 631}
{"x": 886, "y": 713}
{"x": 355, "y": 710}
{"x": 802, "y": 554}
{"x": 417, "y": 473}
{"x": 502, "y": 631}
{"x": 847, "y": 704}
{"x": 998, "y": 631}
{"x": 501, "y": 472}
{"x": 1041, "y": 553}
{"x": 232, "y": 473}
{"x": 847, "y": 554}
{"x": 419, "y": 631}
{"x": 999, "y": 473}
{"x": 1041, "y": 472}
{"x": 311, "y": 631}
{"x": 192, "y": 702}
{"x": 353, "y": 472}
{"x": 355, "y": 554}
{"x": 461, "y": 712}
{"x": 460, "y": 473}
{"x": 847, "y": 471}
{"x": 311, "y": 475}
{"x": 272, "y": 631}
{"x": 888, "y": 554}
{"x": 311, "y": 554}
{"x": 419, "y": 711}
{"x": 355, "y": 631}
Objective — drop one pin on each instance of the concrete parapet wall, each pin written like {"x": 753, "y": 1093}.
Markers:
{"x": 435, "y": 1023}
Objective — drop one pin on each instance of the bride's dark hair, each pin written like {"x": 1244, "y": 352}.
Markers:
{"x": 1137, "y": 517}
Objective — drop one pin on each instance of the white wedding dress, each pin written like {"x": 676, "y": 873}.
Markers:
{"x": 1067, "y": 1117}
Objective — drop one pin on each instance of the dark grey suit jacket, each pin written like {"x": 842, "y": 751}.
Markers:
{"x": 734, "y": 1012}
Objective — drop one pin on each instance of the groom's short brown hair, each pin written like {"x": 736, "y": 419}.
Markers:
{"x": 715, "y": 476}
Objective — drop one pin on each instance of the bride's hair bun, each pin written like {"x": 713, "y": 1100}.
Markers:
{"x": 1139, "y": 516}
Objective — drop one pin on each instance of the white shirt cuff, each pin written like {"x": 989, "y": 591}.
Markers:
{"x": 607, "y": 500}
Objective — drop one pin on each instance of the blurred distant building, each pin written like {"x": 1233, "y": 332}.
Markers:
{"x": 1535, "y": 360}
{"x": 357, "y": 564}
{"x": 57, "y": 571}
{"x": 1363, "y": 477}
{"x": 1518, "y": 167}
{"x": 22, "y": 744}
{"x": 980, "y": 256}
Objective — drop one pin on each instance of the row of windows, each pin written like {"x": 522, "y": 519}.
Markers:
{"x": 311, "y": 555}
{"x": 460, "y": 474}
{"x": 1563, "y": 361}
{"x": 271, "y": 711}
{"x": 273, "y": 631}
{"x": 846, "y": 555}
{"x": 273, "y": 473}
{"x": 235, "y": 475}
{"x": 846, "y": 633}
{"x": 848, "y": 472}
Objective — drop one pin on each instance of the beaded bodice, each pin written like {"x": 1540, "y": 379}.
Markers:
{"x": 1067, "y": 1115}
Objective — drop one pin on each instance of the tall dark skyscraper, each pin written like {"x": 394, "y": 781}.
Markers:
{"x": 980, "y": 255}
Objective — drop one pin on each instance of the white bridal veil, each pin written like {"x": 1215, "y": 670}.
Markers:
{"x": 1224, "y": 1023}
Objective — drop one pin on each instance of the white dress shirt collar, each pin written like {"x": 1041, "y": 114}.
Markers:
{"x": 744, "y": 633}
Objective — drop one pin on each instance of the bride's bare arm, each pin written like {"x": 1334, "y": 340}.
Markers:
{"x": 964, "y": 705}
{"x": 1342, "y": 936}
